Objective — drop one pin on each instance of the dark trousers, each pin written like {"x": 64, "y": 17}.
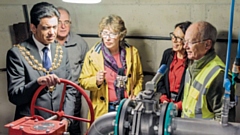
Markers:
{"x": 74, "y": 128}
{"x": 112, "y": 106}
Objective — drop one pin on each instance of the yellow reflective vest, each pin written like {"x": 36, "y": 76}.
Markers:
{"x": 194, "y": 103}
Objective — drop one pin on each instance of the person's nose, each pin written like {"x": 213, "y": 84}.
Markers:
{"x": 185, "y": 46}
{"x": 108, "y": 37}
{"x": 174, "y": 40}
{"x": 51, "y": 31}
{"x": 62, "y": 25}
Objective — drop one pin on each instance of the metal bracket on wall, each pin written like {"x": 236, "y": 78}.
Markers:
{"x": 26, "y": 17}
{"x": 3, "y": 69}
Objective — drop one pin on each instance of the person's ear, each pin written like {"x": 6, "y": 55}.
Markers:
{"x": 208, "y": 44}
{"x": 33, "y": 28}
{"x": 121, "y": 38}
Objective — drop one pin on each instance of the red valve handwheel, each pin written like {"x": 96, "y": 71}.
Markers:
{"x": 60, "y": 112}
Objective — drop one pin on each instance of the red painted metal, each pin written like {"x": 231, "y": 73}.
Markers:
{"x": 24, "y": 126}
{"x": 27, "y": 126}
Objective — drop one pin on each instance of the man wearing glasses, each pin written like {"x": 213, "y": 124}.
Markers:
{"x": 77, "y": 49}
{"x": 203, "y": 92}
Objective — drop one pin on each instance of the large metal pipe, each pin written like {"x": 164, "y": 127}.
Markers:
{"x": 170, "y": 125}
{"x": 179, "y": 126}
{"x": 103, "y": 125}
{"x": 191, "y": 126}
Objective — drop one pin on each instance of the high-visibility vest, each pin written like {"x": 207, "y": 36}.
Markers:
{"x": 194, "y": 103}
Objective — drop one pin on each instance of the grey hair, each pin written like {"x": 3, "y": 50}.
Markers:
{"x": 64, "y": 9}
{"x": 207, "y": 31}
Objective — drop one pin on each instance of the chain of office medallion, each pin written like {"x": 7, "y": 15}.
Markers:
{"x": 38, "y": 66}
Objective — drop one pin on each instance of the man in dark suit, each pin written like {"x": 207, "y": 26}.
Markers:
{"x": 40, "y": 61}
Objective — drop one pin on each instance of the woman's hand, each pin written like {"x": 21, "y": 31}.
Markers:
{"x": 100, "y": 77}
{"x": 132, "y": 97}
{"x": 165, "y": 101}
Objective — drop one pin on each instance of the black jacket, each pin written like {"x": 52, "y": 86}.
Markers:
{"x": 163, "y": 84}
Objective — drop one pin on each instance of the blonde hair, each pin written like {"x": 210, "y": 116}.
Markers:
{"x": 114, "y": 22}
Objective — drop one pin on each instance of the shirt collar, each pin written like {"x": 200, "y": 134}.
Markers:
{"x": 176, "y": 58}
{"x": 67, "y": 39}
{"x": 39, "y": 45}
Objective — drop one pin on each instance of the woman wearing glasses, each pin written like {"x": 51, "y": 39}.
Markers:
{"x": 112, "y": 69}
{"x": 171, "y": 85}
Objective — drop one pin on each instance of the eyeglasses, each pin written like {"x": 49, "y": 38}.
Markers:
{"x": 193, "y": 42}
{"x": 110, "y": 35}
{"x": 174, "y": 37}
{"x": 66, "y": 22}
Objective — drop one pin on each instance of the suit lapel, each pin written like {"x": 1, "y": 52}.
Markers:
{"x": 32, "y": 48}
{"x": 53, "y": 50}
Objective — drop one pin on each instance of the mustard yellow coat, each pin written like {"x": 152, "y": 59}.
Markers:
{"x": 94, "y": 62}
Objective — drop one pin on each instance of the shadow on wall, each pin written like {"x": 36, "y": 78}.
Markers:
{"x": 221, "y": 48}
{"x": 19, "y": 32}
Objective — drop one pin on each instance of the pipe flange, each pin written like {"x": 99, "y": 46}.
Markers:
{"x": 125, "y": 117}
{"x": 170, "y": 113}
{"x": 117, "y": 116}
{"x": 162, "y": 118}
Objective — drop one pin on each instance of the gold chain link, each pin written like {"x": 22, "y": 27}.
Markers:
{"x": 37, "y": 65}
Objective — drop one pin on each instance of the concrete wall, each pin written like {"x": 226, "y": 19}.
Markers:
{"x": 142, "y": 18}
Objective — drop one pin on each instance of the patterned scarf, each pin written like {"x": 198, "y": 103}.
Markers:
{"x": 110, "y": 62}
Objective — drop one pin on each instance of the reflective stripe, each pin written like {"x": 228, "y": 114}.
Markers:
{"x": 202, "y": 90}
{"x": 211, "y": 73}
{"x": 187, "y": 77}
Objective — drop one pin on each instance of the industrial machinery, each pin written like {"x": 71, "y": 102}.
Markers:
{"x": 145, "y": 116}
{"x": 36, "y": 125}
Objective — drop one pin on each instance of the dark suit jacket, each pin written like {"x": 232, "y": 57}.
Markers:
{"x": 163, "y": 84}
{"x": 22, "y": 82}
